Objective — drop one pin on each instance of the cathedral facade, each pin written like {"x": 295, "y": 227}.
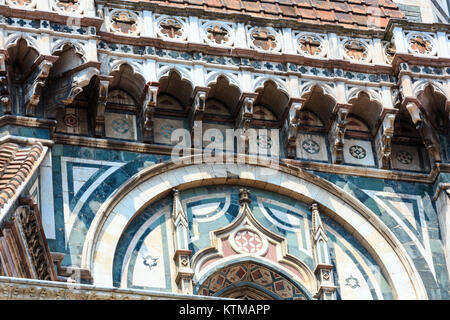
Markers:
{"x": 207, "y": 149}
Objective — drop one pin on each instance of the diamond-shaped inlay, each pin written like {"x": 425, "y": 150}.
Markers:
{"x": 248, "y": 241}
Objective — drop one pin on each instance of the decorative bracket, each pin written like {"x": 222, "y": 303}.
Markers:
{"x": 245, "y": 115}
{"x": 291, "y": 126}
{"x": 384, "y": 138}
{"x": 149, "y": 107}
{"x": 429, "y": 137}
{"x": 199, "y": 103}
{"x": 101, "y": 105}
{"x": 244, "y": 119}
{"x": 34, "y": 86}
{"x": 196, "y": 114}
{"x": 337, "y": 133}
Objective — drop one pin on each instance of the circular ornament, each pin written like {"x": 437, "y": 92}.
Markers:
{"x": 357, "y": 152}
{"x": 356, "y": 50}
{"x": 310, "y": 146}
{"x": 310, "y": 45}
{"x": 264, "y": 39}
{"x": 70, "y": 6}
{"x": 421, "y": 43}
{"x": 22, "y": 3}
{"x": 404, "y": 157}
{"x": 170, "y": 27}
{"x": 71, "y": 120}
{"x": 123, "y": 21}
{"x": 218, "y": 34}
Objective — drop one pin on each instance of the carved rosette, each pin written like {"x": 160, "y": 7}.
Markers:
{"x": 68, "y": 6}
{"x": 216, "y": 33}
{"x": 29, "y": 4}
{"x": 171, "y": 28}
{"x": 125, "y": 22}
{"x": 265, "y": 39}
{"x": 356, "y": 50}
{"x": 421, "y": 43}
{"x": 310, "y": 45}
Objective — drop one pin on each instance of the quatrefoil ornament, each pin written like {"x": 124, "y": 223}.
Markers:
{"x": 264, "y": 38}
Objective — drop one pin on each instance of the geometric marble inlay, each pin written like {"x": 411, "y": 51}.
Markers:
{"x": 248, "y": 241}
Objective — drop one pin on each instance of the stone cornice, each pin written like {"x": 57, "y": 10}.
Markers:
{"x": 51, "y": 16}
{"x": 309, "y": 165}
{"x": 246, "y": 53}
{"x": 25, "y": 289}
{"x": 416, "y": 26}
{"x": 27, "y": 122}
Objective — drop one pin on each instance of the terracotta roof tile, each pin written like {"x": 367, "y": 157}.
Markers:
{"x": 307, "y": 13}
{"x": 376, "y": 12}
{"x": 232, "y": 4}
{"x": 341, "y": 6}
{"x": 16, "y": 164}
{"x": 270, "y": 8}
{"x": 322, "y": 5}
{"x": 288, "y": 11}
{"x": 251, "y": 6}
{"x": 326, "y": 15}
{"x": 214, "y": 3}
{"x": 344, "y": 17}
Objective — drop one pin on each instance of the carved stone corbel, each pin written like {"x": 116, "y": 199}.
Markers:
{"x": 148, "y": 110}
{"x": 34, "y": 86}
{"x": 384, "y": 138}
{"x": 4, "y": 88}
{"x": 244, "y": 119}
{"x": 337, "y": 133}
{"x": 196, "y": 115}
{"x": 199, "y": 103}
{"x": 101, "y": 106}
{"x": 245, "y": 115}
{"x": 429, "y": 137}
{"x": 79, "y": 81}
{"x": 291, "y": 126}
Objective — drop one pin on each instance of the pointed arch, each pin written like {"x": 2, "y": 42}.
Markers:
{"x": 272, "y": 97}
{"x": 366, "y": 107}
{"x": 224, "y": 92}
{"x": 319, "y": 99}
{"x": 213, "y": 76}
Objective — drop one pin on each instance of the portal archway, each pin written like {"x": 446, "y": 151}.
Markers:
{"x": 157, "y": 182}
